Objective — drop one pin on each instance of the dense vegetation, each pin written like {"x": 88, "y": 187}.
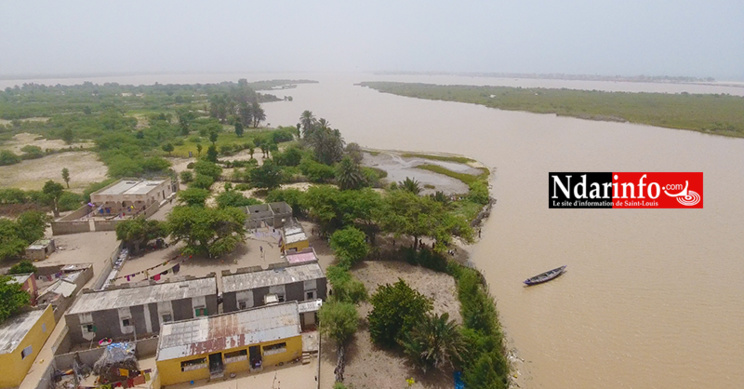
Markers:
{"x": 708, "y": 113}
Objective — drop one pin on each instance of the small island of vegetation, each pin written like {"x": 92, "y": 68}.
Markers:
{"x": 707, "y": 113}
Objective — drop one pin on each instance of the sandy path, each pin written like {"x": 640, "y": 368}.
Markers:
{"x": 25, "y": 139}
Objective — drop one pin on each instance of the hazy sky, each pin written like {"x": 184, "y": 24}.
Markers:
{"x": 627, "y": 37}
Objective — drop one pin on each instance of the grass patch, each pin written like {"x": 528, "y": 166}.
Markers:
{"x": 444, "y": 158}
{"x": 718, "y": 114}
{"x": 226, "y": 137}
{"x": 464, "y": 177}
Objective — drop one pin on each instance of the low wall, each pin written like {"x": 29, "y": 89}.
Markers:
{"x": 151, "y": 209}
{"x": 70, "y": 227}
{"x": 106, "y": 225}
{"x": 108, "y": 266}
{"x": 76, "y": 214}
{"x": 143, "y": 349}
{"x": 47, "y": 378}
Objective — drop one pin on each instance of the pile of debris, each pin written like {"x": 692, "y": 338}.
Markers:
{"x": 118, "y": 363}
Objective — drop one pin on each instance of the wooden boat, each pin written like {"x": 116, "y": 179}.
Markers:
{"x": 547, "y": 276}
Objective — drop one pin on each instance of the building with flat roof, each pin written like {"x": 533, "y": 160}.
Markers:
{"x": 131, "y": 196}
{"x": 125, "y": 311}
{"x": 255, "y": 288}
{"x": 40, "y": 249}
{"x": 271, "y": 214}
{"x": 28, "y": 283}
{"x": 21, "y": 338}
{"x": 210, "y": 347}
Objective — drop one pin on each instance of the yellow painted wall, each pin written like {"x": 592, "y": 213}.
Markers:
{"x": 170, "y": 371}
{"x": 13, "y": 368}
{"x": 299, "y": 246}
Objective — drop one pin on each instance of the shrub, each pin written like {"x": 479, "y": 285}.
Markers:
{"x": 396, "y": 308}
{"x": 23, "y": 267}
{"x": 187, "y": 176}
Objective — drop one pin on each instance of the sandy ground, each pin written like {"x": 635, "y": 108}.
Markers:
{"x": 371, "y": 367}
{"x": 84, "y": 167}
{"x": 398, "y": 168}
{"x": 87, "y": 247}
{"x": 26, "y": 139}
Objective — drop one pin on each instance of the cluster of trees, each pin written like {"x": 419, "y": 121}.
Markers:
{"x": 239, "y": 105}
{"x": 16, "y": 235}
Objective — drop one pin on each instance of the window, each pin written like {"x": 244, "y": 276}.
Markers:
{"x": 194, "y": 364}
{"x": 242, "y": 305}
{"x": 88, "y": 328}
{"x": 26, "y": 352}
{"x": 167, "y": 317}
{"x": 310, "y": 295}
{"x": 276, "y": 348}
{"x": 43, "y": 327}
{"x": 200, "y": 311}
{"x": 237, "y": 356}
{"x": 281, "y": 298}
{"x": 126, "y": 322}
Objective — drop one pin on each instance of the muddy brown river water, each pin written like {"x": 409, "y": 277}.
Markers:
{"x": 651, "y": 299}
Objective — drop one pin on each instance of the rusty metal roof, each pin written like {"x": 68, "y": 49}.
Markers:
{"x": 271, "y": 277}
{"x": 206, "y": 335}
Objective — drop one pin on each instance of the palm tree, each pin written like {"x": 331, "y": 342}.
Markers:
{"x": 307, "y": 120}
{"x": 434, "y": 342}
{"x": 410, "y": 185}
{"x": 349, "y": 174}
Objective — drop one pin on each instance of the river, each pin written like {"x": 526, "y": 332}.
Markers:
{"x": 651, "y": 299}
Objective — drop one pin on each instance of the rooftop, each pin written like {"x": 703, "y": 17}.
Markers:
{"x": 204, "y": 335}
{"x": 126, "y": 297}
{"x": 39, "y": 244}
{"x": 271, "y": 277}
{"x": 131, "y": 187}
{"x": 20, "y": 278}
{"x": 14, "y": 329}
{"x": 306, "y": 255}
{"x": 309, "y": 306}
{"x": 60, "y": 287}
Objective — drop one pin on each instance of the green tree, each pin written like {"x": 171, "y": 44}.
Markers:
{"x": 267, "y": 176}
{"x": 232, "y": 198}
{"x": 239, "y": 129}
{"x": 12, "y": 297}
{"x": 338, "y": 320}
{"x": 187, "y": 176}
{"x": 31, "y": 225}
{"x": 8, "y": 157}
{"x": 327, "y": 144}
{"x": 193, "y": 196}
{"x": 434, "y": 342}
{"x": 207, "y": 231}
{"x": 308, "y": 122}
{"x": 212, "y": 154}
{"x": 202, "y": 182}
{"x": 208, "y": 168}
{"x": 198, "y": 149}
{"x": 290, "y": 157}
{"x": 53, "y": 190}
{"x": 23, "y": 267}
{"x": 67, "y": 135}
{"x": 258, "y": 114}
{"x": 395, "y": 310}
{"x": 168, "y": 148}
{"x": 349, "y": 245}
{"x": 137, "y": 232}
{"x": 349, "y": 174}
{"x": 31, "y": 152}
{"x": 11, "y": 243}
{"x": 345, "y": 287}
{"x": 66, "y": 176}
{"x": 213, "y": 137}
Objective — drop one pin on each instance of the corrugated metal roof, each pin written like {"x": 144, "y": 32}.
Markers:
{"x": 310, "y": 306}
{"x": 131, "y": 187}
{"x": 221, "y": 332}
{"x": 271, "y": 277}
{"x": 20, "y": 278}
{"x": 294, "y": 238}
{"x": 60, "y": 287}
{"x": 14, "y": 329}
{"x": 125, "y": 297}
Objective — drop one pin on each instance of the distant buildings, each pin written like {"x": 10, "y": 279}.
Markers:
{"x": 130, "y": 196}
{"x": 40, "y": 249}
{"x": 122, "y": 312}
{"x": 21, "y": 339}
{"x": 209, "y": 348}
